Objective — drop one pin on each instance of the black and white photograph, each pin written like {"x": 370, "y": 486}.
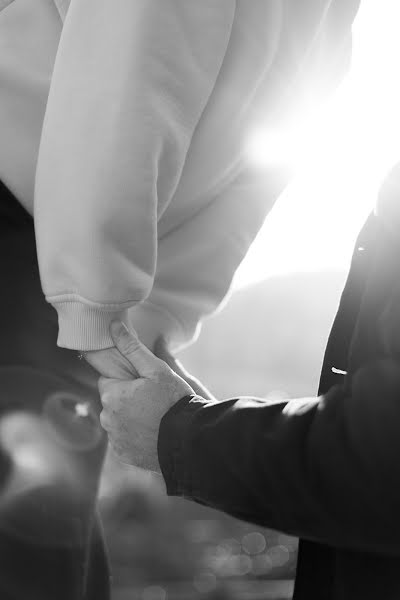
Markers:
{"x": 199, "y": 300}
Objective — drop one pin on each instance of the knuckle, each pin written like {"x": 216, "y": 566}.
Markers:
{"x": 104, "y": 420}
{"x": 131, "y": 346}
{"x": 106, "y": 399}
{"x": 101, "y": 384}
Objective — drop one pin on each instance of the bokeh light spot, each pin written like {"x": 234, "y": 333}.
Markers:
{"x": 254, "y": 543}
{"x": 74, "y": 422}
{"x": 289, "y": 542}
{"x": 279, "y": 556}
{"x": 25, "y": 438}
{"x": 261, "y": 565}
{"x": 231, "y": 545}
{"x": 240, "y": 565}
{"x": 82, "y": 409}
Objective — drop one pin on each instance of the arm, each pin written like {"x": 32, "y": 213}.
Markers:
{"x": 130, "y": 82}
{"x": 191, "y": 285}
{"x": 321, "y": 468}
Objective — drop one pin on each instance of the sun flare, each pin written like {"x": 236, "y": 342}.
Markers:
{"x": 340, "y": 158}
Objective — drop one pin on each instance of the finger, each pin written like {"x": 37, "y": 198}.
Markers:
{"x": 117, "y": 394}
{"x": 102, "y": 384}
{"x": 107, "y": 399}
{"x": 140, "y": 357}
{"x": 110, "y": 363}
{"x": 104, "y": 420}
{"x": 162, "y": 351}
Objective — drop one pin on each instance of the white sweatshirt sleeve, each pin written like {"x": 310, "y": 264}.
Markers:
{"x": 191, "y": 285}
{"x": 130, "y": 82}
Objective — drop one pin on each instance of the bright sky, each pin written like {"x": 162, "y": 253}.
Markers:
{"x": 314, "y": 224}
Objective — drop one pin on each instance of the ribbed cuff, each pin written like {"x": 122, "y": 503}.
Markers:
{"x": 84, "y": 327}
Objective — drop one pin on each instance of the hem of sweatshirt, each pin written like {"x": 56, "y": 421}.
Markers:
{"x": 85, "y": 327}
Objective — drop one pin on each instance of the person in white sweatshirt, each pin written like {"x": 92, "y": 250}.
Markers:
{"x": 142, "y": 176}
{"x": 124, "y": 128}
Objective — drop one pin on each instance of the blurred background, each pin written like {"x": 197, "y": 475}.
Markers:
{"x": 269, "y": 338}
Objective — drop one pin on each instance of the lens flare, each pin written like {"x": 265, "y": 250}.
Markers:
{"x": 25, "y": 439}
{"x": 45, "y": 487}
{"x": 73, "y": 421}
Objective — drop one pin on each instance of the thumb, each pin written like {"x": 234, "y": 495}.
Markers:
{"x": 129, "y": 345}
{"x": 162, "y": 351}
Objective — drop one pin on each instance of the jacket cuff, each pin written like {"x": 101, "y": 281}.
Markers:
{"x": 173, "y": 456}
{"x": 84, "y": 327}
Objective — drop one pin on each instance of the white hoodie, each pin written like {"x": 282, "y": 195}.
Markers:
{"x": 145, "y": 201}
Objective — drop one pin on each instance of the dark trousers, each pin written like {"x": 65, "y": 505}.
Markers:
{"x": 51, "y": 444}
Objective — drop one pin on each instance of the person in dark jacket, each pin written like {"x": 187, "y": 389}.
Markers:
{"x": 325, "y": 469}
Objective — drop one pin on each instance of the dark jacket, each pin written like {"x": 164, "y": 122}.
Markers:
{"x": 325, "y": 469}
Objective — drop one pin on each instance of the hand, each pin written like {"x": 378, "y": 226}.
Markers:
{"x": 162, "y": 351}
{"x": 133, "y": 409}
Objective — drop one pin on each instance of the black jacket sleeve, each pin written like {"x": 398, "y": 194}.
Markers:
{"x": 326, "y": 468}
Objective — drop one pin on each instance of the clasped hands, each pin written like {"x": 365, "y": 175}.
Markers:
{"x": 135, "y": 400}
